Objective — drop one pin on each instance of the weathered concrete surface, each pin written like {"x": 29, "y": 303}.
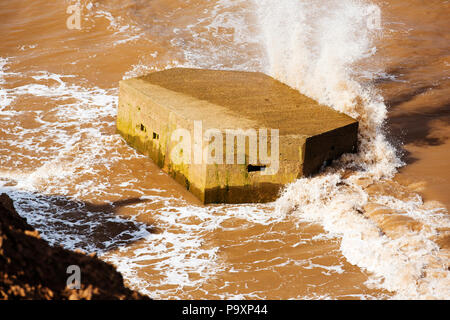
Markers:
{"x": 153, "y": 106}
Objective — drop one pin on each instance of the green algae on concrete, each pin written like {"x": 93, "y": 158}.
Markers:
{"x": 152, "y": 107}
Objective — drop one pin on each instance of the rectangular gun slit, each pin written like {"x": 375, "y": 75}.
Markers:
{"x": 252, "y": 168}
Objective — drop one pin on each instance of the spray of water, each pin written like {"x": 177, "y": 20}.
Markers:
{"x": 315, "y": 47}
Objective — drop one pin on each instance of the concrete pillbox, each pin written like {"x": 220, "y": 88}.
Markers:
{"x": 153, "y": 107}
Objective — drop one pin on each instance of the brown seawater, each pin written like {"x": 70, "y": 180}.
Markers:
{"x": 372, "y": 226}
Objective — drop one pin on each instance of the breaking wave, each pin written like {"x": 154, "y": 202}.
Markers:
{"x": 317, "y": 47}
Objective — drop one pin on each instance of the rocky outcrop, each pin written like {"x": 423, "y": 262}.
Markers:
{"x": 31, "y": 269}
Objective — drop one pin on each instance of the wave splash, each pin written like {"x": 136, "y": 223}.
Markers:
{"x": 318, "y": 48}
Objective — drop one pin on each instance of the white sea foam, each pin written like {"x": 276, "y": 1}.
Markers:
{"x": 41, "y": 193}
{"x": 5, "y": 98}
